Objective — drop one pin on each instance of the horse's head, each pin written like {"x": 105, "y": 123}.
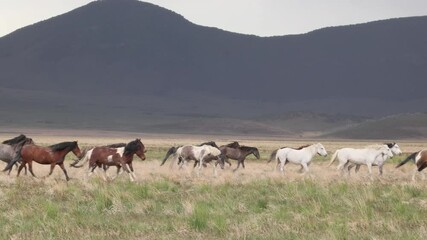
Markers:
{"x": 221, "y": 160}
{"x": 76, "y": 150}
{"x": 136, "y": 147}
{"x": 387, "y": 151}
{"x": 28, "y": 141}
{"x": 321, "y": 150}
{"x": 395, "y": 149}
{"x": 256, "y": 153}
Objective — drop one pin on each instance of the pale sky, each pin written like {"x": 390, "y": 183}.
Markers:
{"x": 259, "y": 17}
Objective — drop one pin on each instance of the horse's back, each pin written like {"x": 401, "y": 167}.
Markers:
{"x": 101, "y": 153}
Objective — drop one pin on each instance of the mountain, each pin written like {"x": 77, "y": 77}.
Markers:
{"x": 401, "y": 126}
{"x": 131, "y": 60}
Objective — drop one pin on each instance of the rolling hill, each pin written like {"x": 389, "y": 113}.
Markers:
{"x": 126, "y": 64}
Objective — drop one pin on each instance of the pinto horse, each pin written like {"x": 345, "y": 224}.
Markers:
{"x": 113, "y": 155}
{"x": 201, "y": 154}
{"x": 53, "y": 155}
{"x": 420, "y": 160}
{"x": 237, "y": 152}
{"x": 8, "y": 148}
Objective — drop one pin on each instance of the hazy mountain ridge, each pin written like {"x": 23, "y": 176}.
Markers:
{"x": 148, "y": 61}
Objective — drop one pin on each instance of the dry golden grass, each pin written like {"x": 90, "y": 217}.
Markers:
{"x": 167, "y": 203}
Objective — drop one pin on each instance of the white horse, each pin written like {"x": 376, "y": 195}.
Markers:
{"x": 301, "y": 156}
{"x": 395, "y": 149}
{"x": 202, "y": 154}
{"x": 420, "y": 160}
{"x": 366, "y": 156}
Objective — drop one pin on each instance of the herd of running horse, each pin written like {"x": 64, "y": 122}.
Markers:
{"x": 21, "y": 151}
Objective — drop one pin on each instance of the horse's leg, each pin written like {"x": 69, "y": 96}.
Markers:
{"x": 238, "y": 165}
{"x": 243, "y": 163}
{"x": 380, "y": 168}
{"x": 305, "y": 166}
{"x": 357, "y": 168}
{"x": 227, "y": 161}
{"x": 181, "y": 164}
{"x": 104, "y": 172}
{"x": 131, "y": 169}
{"x": 282, "y": 166}
{"x": 341, "y": 167}
{"x": 20, "y": 168}
{"x": 346, "y": 167}
{"x": 17, "y": 167}
{"x": 118, "y": 172}
{"x": 61, "y": 165}
{"x": 30, "y": 168}
{"x": 125, "y": 167}
{"x": 52, "y": 166}
{"x": 214, "y": 169}
{"x": 91, "y": 169}
{"x": 370, "y": 170}
{"x": 201, "y": 162}
{"x": 423, "y": 176}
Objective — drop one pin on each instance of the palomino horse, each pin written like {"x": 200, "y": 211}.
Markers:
{"x": 301, "y": 156}
{"x": 202, "y": 154}
{"x": 120, "y": 157}
{"x": 420, "y": 160}
{"x": 367, "y": 156}
{"x": 53, "y": 155}
{"x": 8, "y": 149}
{"x": 237, "y": 152}
{"x": 395, "y": 149}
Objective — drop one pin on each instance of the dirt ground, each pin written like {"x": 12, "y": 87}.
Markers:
{"x": 255, "y": 169}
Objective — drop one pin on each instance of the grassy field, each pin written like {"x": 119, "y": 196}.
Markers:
{"x": 254, "y": 203}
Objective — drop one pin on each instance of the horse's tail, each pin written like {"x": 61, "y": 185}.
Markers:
{"x": 333, "y": 158}
{"x": 409, "y": 158}
{"x": 16, "y": 159}
{"x": 80, "y": 162}
{"x": 171, "y": 151}
{"x": 273, "y": 155}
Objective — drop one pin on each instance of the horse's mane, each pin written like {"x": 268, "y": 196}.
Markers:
{"x": 247, "y": 148}
{"x": 298, "y": 148}
{"x": 303, "y": 146}
{"x": 210, "y": 143}
{"x": 63, "y": 145}
{"x": 233, "y": 145}
{"x": 390, "y": 145}
{"x": 116, "y": 145}
{"x": 15, "y": 140}
{"x": 133, "y": 146}
{"x": 376, "y": 146}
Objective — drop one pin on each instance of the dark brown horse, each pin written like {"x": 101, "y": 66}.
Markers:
{"x": 237, "y": 152}
{"x": 53, "y": 155}
{"x": 121, "y": 157}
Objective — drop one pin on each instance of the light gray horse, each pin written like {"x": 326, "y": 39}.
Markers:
{"x": 9, "y": 148}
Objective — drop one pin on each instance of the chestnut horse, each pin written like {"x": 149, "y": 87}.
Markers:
{"x": 53, "y": 155}
{"x": 120, "y": 157}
